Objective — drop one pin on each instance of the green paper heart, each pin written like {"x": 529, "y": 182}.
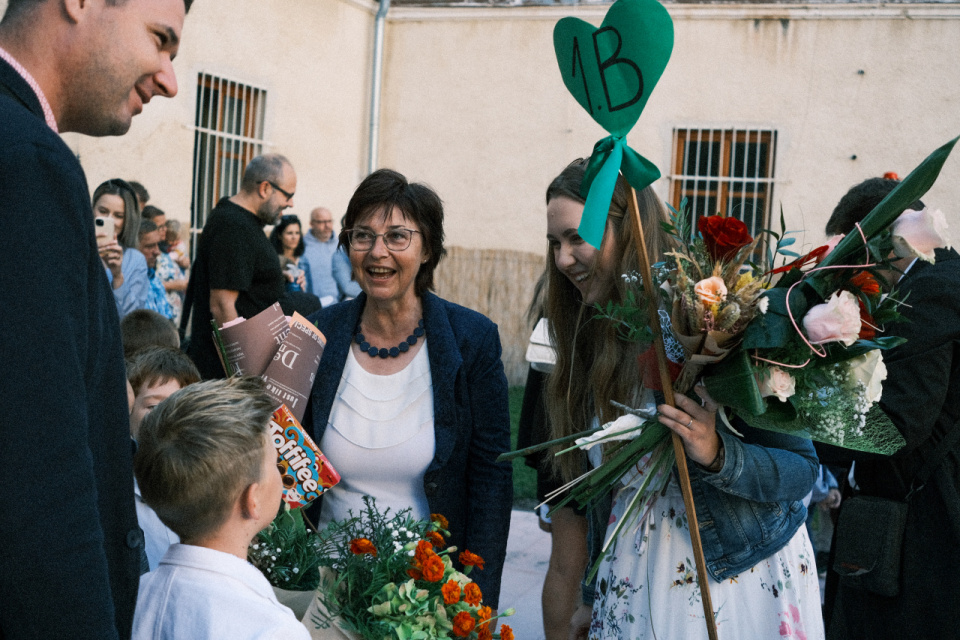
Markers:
{"x": 612, "y": 71}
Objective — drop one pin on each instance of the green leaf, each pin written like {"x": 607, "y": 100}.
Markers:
{"x": 731, "y": 383}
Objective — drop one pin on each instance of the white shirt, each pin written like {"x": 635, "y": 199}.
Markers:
{"x": 380, "y": 439}
{"x": 157, "y": 536}
{"x": 198, "y": 593}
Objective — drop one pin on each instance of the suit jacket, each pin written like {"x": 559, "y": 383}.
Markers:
{"x": 464, "y": 482}
{"x": 921, "y": 395}
{"x": 69, "y": 541}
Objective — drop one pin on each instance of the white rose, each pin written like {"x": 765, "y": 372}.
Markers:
{"x": 774, "y": 381}
{"x": 871, "y": 371}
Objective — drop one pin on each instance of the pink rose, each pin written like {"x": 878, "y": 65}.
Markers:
{"x": 836, "y": 320}
{"x": 774, "y": 381}
{"x": 918, "y": 233}
{"x": 711, "y": 291}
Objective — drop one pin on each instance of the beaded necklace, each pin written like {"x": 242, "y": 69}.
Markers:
{"x": 393, "y": 352}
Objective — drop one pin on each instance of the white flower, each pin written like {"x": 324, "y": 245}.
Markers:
{"x": 613, "y": 431}
{"x": 296, "y": 570}
{"x": 918, "y": 233}
{"x": 870, "y": 371}
{"x": 409, "y": 534}
{"x": 774, "y": 381}
{"x": 763, "y": 303}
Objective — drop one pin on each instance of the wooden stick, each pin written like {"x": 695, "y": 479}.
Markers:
{"x": 667, "y": 384}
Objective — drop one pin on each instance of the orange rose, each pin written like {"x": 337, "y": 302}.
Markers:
{"x": 433, "y": 569}
{"x": 451, "y": 592}
{"x": 711, "y": 290}
{"x": 440, "y": 520}
{"x": 472, "y": 594}
{"x": 468, "y": 559}
{"x": 360, "y": 546}
{"x": 424, "y": 551}
{"x": 414, "y": 573}
{"x": 435, "y": 538}
{"x": 484, "y": 633}
{"x": 506, "y": 633}
{"x": 463, "y": 624}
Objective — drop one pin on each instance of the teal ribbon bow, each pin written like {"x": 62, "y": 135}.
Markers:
{"x": 611, "y": 155}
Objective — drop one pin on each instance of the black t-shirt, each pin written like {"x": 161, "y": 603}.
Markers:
{"x": 233, "y": 254}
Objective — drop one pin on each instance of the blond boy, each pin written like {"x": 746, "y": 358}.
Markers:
{"x": 206, "y": 465}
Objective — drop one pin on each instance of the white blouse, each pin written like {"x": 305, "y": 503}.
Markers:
{"x": 380, "y": 439}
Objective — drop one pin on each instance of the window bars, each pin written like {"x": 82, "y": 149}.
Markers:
{"x": 725, "y": 171}
{"x": 228, "y": 134}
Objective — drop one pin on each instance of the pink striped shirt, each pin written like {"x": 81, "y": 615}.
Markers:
{"x": 47, "y": 111}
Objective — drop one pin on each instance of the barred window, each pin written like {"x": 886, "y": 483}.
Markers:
{"x": 725, "y": 171}
{"x": 228, "y": 134}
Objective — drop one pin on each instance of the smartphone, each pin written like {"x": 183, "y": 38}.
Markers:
{"x": 104, "y": 230}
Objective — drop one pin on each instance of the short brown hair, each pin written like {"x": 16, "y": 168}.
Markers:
{"x": 385, "y": 189}
{"x": 199, "y": 450}
{"x": 159, "y": 365}
{"x": 144, "y": 328}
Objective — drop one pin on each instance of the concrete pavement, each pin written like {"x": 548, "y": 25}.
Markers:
{"x": 528, "y": 553}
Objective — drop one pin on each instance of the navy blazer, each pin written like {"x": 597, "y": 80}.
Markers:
{"x": 464, "y": 482}
{"x": 70, "y": 556}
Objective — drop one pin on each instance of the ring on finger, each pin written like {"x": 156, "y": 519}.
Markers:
{"x": 689, "y": 424}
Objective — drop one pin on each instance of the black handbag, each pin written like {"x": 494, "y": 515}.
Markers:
{"x": 869, "y": 538}
{"x": 869, "y": 543}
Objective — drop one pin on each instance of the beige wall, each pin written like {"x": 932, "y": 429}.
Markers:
{"x": 474, "y": 103}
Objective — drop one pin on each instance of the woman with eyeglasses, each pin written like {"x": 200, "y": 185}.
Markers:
{"x": 410, "y": 402}
{"x": 115, "y": 202}
{"x": 287, "y": 239}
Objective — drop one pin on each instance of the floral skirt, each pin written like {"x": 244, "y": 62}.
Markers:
{"x": 647, "y": 585}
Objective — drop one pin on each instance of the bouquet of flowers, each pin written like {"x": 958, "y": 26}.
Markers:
{"x": 393, "y": 578}
{"x": 795, "y": 349}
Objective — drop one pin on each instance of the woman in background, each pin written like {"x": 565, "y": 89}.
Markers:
{"x": 126, "y": 267}
{"x": 287, "y": 239}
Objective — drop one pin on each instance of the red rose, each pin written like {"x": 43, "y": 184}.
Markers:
{"x": 724, "y": 236}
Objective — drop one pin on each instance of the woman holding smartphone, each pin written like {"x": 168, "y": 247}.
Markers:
{"x": 126, "y": 267}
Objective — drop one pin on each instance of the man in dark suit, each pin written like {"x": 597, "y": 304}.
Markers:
{"x": 69, "y": 541}
{"x": 921, "y": 396}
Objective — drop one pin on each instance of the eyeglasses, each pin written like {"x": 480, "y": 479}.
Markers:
{"x": 395, "y": 239}
{"x": 287, "y": 194}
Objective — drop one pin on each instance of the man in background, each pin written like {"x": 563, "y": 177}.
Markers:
{"x": 70, "y": 559}
{"x": 330, "y": 270}
{"x": 237, "y": 271}
{"x": 921, "y": 396}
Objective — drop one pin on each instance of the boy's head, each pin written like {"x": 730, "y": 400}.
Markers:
{"x": 144, "y": 328}
{"x": 154, "y": 374}
{"x": 205, "y": 458}
{"x": 173, "y": 232}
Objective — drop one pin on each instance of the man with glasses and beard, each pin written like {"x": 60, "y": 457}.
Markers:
{"x": 236, "y": 271}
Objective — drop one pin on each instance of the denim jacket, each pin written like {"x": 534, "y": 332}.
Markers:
{"x": 746, "y": 511}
